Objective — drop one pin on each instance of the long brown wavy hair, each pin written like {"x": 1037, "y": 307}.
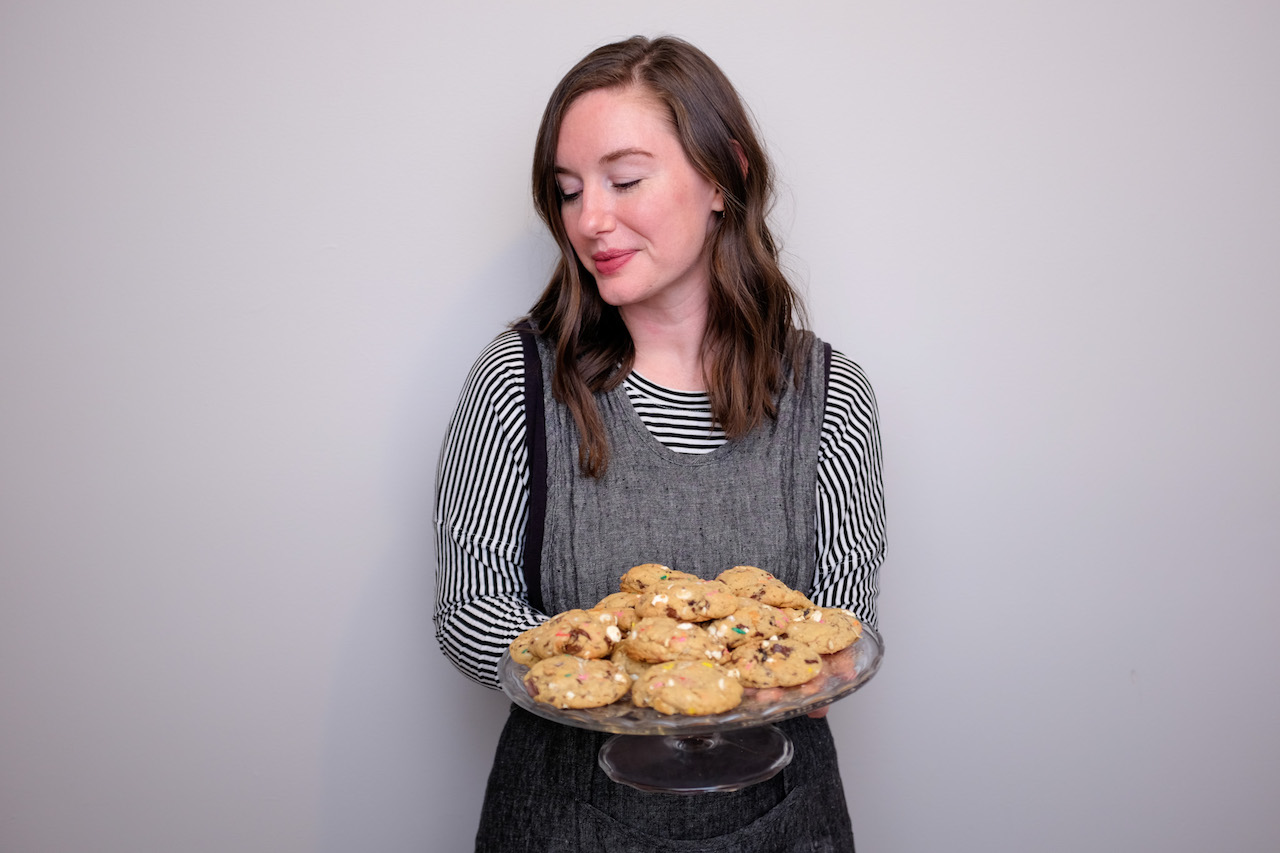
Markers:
{"x": 753, "y": 309}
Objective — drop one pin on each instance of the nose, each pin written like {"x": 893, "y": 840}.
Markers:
{"x": 596, "y": 215}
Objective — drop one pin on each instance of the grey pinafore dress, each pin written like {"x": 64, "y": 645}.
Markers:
{"x": 752, "y": 501}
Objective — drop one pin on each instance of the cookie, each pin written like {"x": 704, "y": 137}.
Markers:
{"x": 687, "y": 687}
{"x": 522, "y": 647}
{"x": 623, "y": 607}
{"x": 657, "y": 639}
{"x": 644, "y": 577}
{"x": 688, "y": 600}
{"x": 751, "y": 582}
{"x": 566, "y": 681}
{"x": 827, "y": 629}
{"x": 752, "y": 620}
{"x": 776, "y": 663}
{"x": 582, "y": 633}
{"x": 629, "y": 665}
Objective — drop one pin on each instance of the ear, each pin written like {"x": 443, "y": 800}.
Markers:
{"x": 718, "y": 203}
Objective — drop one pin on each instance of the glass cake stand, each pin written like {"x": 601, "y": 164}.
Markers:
{"x": 715, "y": 752}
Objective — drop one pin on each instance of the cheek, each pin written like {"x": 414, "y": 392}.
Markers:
{"x": 570, "y": 229}
{"x": 694, "y": 205}
{"x": 649, "y": 218}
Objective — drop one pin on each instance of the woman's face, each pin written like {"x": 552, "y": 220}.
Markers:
{"x": 635, "y": 209}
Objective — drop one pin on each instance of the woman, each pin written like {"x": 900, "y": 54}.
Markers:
{"x": 661, "y": 404}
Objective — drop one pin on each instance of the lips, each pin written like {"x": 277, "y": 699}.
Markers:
{"x": 610, "y": 261}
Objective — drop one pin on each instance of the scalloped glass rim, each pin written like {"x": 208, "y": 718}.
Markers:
{"x": 842, "y": 673}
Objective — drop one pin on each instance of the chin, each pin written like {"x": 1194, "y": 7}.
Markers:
{"x": 619, "y": 298}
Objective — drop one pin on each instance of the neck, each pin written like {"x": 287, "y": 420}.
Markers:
{"x": 669, "y": 347}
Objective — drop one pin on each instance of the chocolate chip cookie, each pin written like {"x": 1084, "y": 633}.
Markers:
{"x": 687, "y": 687}
{"x": 566, "y": 681}
{"x": 687, "y": 600}
{"x": 657, "y": 639}
{"x": 776, "y": 663}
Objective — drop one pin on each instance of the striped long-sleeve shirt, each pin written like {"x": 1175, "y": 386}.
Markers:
{"x": 482, "y": 496}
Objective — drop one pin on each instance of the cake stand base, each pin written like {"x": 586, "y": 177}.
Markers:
{"x": 696, "y": 764}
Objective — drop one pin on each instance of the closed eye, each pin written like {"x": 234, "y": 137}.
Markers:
{"x": 621, "y": 186}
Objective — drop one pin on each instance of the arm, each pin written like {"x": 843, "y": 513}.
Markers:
{"x": 851, "y": 528}
{"x": 482, "y": 497}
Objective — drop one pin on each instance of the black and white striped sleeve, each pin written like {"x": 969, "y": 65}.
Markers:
{"x": 851, "y": 528}
{"x": 482, "y": 499}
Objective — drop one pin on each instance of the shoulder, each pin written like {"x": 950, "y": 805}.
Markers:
{"x": 502, "y": 357}
{"x": 848, "y": 377}
{"x": 851, "y": 403}
{"x": 498, "y": 372}
{"x": 493, "y": 394}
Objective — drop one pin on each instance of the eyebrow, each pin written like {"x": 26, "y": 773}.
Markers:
{"x": 611, "y": 157}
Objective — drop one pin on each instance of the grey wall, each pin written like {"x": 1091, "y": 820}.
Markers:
{"x": 249, "y": 249}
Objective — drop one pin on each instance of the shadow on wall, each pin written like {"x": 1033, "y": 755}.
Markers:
{"x": 408, "y": 739}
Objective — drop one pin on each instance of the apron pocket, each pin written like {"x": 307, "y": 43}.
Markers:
{"x": 782, "y": 829}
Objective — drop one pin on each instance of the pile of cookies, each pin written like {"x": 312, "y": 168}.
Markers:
{"x": 680, "y": 644}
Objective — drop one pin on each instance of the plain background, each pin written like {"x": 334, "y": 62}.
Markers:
{"x": 248, "y": 251}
